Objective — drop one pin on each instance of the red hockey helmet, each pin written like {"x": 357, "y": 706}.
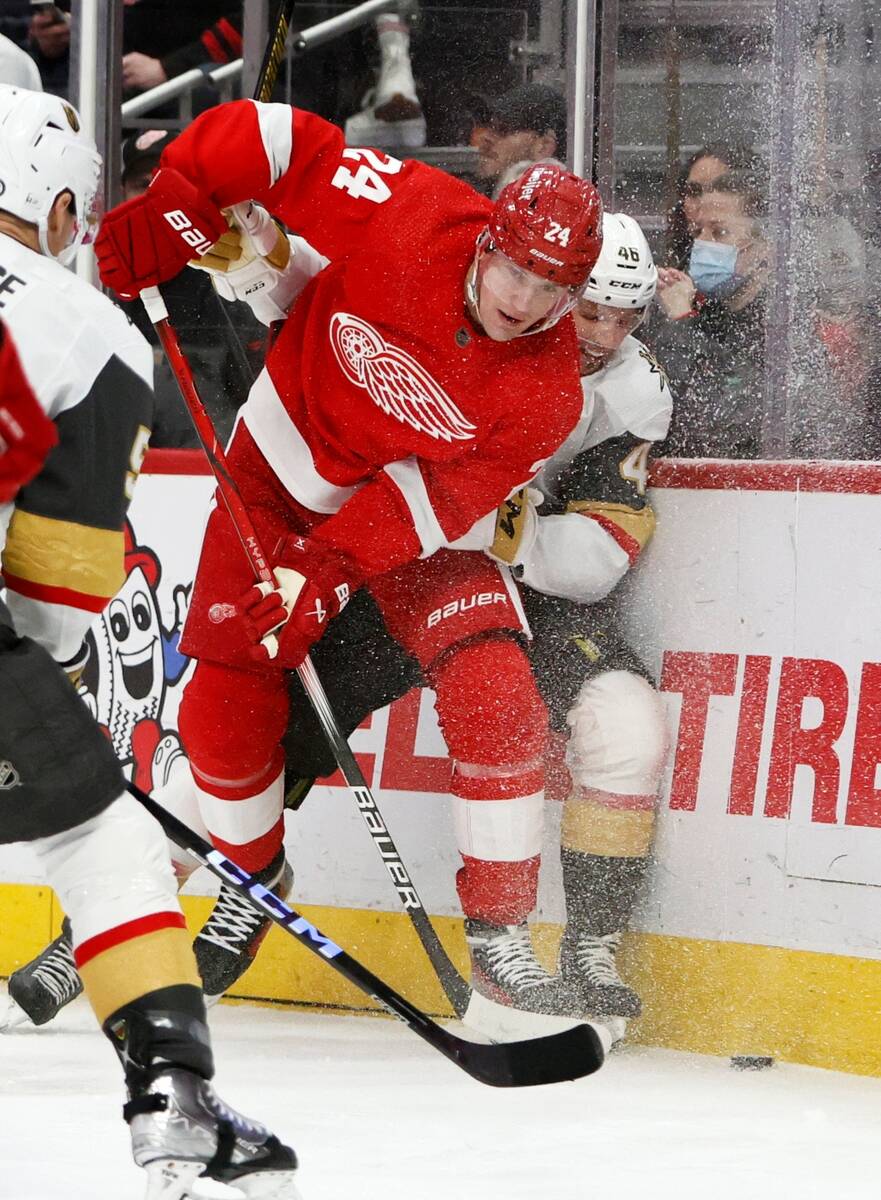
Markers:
{"x": 549, "y": 222}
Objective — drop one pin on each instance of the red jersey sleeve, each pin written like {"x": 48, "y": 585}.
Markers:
{"x": 293, "y": 162}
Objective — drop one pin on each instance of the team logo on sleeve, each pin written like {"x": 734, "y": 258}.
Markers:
{"x": 395, "y": 381}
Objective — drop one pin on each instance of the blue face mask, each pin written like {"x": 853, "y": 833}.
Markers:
{"x": 711, "y": 266}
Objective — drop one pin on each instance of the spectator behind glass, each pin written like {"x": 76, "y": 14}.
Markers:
{"x": 160, "y": 39}
{"x": 702, "y": 169}
{"x": 164, "y": 38}
{"x": 49, "y": 44}
{"x": 711, "y": 337}
{"x": 524, "y": 126}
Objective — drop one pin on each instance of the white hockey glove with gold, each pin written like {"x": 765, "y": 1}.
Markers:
{"x": 257, "y": 262}
{"x": 507, "y": 534}
{"x": 516, "y": 527}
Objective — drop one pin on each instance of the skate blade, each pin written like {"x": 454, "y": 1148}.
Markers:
{"x": 268, "y": 1185}
{"x": 501, "y": 1023}
{"x": 171, "y": 1178}
{"x": 12, "y": 1016}
{"x": 616, "y": 1026}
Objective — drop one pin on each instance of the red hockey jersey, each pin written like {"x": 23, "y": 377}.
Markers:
{"x": 381, "y": 405}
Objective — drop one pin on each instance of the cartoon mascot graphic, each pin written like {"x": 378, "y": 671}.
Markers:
{"x": 133, "y": 663}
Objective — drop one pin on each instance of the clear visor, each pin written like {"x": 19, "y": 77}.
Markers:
{"x": 516, "y": 288}
{"x": 89, "y": 222}
{"x": 503, "y": 274}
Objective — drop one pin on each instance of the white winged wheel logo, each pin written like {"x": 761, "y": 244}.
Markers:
{"x": 395, "y": 381}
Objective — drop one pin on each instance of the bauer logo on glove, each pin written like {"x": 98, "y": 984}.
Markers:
{"x": 313, "y": 584}
{"x": 181, "y": 223}
{"x": 149, "y": 239}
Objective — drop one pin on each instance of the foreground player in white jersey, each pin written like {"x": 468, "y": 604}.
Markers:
{"x": 569, "y": 553}
{"x": 68, "y": 350}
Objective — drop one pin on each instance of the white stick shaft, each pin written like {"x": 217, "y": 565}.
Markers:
{"x": 154, "y": 304}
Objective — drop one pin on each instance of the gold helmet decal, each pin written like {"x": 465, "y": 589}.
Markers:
{"x": 72, "y": 119}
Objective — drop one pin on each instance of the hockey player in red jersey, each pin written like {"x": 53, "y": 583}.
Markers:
{"x": 421, "y": 377}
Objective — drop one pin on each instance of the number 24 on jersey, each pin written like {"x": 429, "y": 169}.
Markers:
{"x": 366, "y": 182}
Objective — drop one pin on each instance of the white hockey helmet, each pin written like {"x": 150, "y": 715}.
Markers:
{"x": 625, "y": 275}
{"x": 44, "y": 152}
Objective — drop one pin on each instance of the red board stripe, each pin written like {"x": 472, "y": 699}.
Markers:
{"x": 698, "y": 474}
{"x": 175, "y": 462}
{"x": 856, "y": 478}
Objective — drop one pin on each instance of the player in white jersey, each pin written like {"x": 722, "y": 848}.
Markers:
{"x": 593, "y": 522}
{"x": 570, "y": 542}
{"x": 67, "y": 349}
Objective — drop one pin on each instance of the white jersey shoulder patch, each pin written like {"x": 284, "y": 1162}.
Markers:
{"x": 632, "y": 392}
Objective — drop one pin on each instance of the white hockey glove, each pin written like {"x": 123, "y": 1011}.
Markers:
{"x": 257, "y": 262}
{"x": 516, "y": 527}
{"x": 507, "y": 534}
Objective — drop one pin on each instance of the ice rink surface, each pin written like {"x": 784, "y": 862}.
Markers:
{"x": 375, "y": 1114}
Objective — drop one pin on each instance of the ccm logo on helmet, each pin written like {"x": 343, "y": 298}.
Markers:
{"x": 455, "y": 607}
{"x": 181, "y": 223}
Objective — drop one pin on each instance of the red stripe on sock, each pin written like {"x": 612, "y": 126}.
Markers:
{"x": 256, "y": 855}
{"x": 489, "y": 788}
{"x": 241, "y": 790}
{"x": 503, "y": 893}
{"x": 127, "y": 932}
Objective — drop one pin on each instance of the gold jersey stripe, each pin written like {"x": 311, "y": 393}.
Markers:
{"x": 592, "y": 828}
{"x": 163, "y": 958}
{"x": 636, "y": 523}
{"x": 64, "y": 555}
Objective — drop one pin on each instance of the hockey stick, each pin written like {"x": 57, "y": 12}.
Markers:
{"x": 455, "y": 987}
{"x": 274, "y": 52}
{"x": 552, "y": 1059}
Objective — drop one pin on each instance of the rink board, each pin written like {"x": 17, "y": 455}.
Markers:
{"x": 757, "y": 606}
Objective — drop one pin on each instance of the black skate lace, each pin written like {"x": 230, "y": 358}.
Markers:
{"x": 58, "y": 974}
{"x": 232, "y": 923}
{"x": 596, "y": 958}
{"x": 513, "y": 959}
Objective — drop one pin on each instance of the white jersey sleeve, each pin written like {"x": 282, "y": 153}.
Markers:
{"x": 596, "y": 519}
{"x": 92, "y": 372}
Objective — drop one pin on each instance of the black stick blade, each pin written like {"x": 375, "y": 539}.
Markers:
{"x": 560, "y": 1056}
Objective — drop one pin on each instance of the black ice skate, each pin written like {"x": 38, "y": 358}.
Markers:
{"x": 587, "y": 963}
{"x": 181, "y": 1130}
{"x": 504, "y": 969}
{"x": 229, "y": 940}
{"x": 41, "y": 988}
